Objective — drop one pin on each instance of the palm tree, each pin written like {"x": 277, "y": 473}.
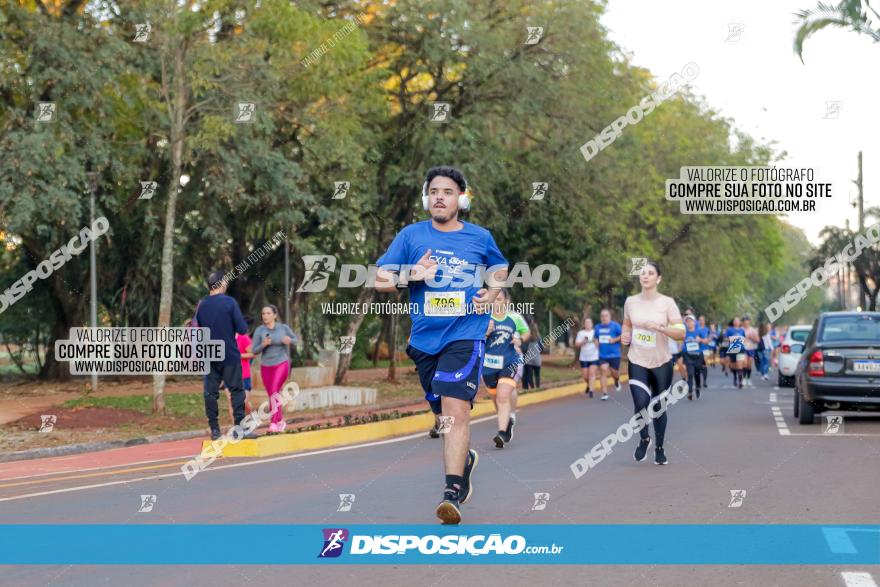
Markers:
{"x": 854, "y": 15}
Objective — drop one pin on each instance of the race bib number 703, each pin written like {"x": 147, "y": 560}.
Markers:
{"x": 646, "y": 338}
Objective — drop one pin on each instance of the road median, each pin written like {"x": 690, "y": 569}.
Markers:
{"x": 277, "y": 444}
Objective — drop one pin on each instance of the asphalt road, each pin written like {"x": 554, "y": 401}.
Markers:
{"x": 728, "y": 440}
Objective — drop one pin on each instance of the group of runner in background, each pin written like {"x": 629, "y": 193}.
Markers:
{"x": 739, "y": 348}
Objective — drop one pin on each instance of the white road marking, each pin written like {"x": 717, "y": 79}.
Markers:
{"x": 853, "y": 579}
{"x": 851, "y": 434}
{"x": 781, "y": 426}
{"x": 177, "y": 458}
{"x": 175, "y": 473}
{"x": 772, "y": 398}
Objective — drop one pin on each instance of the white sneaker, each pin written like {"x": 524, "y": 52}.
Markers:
{"x": 617, "y": 386}
{"x": 604, "y": 396}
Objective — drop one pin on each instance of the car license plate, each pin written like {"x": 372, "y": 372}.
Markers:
{"x": 866, "y": 366}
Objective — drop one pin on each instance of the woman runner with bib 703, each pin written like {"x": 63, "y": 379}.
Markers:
{"x": 650, "y": 319}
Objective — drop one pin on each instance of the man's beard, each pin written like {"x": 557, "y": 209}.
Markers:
{"x": 443, "y": 220}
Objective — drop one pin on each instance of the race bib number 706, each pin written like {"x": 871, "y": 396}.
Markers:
{"x": 444, "y": 303}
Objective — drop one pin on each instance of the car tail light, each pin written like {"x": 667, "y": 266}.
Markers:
{"x": 816, "y": 367}
{"x": 786, "y": 349}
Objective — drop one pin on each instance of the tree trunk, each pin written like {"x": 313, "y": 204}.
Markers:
{"x": 16, "y": 358}
{"x": 383, "y": 337}
{"x": 69, "y": 313}
{"x": 364, "y": 297}
{"x": 392, "y": 344}
{"x": 176, "y": 111}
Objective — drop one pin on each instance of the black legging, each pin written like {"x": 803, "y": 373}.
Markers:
{"x": 531, "y": 376}
{"x": 657, "y": 380}
{"x": 695, "y": 366}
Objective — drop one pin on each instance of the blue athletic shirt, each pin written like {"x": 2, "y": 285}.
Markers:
{"x": 500, "y": 352}
{"x": 691, "y": 345}
{"x": 703, "y": 332}
{"x": 611, "y": 330}
{"x": 221, "y": 314}
{"x": 713, "y": 339}
{"x": 458, "y": 255}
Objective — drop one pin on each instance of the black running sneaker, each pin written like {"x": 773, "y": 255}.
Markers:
{"x": 590, "y": 393}
{"x": 698, "y": 393}
{"x": 467, "y": 487}
{"x": 215, "y": 434}
{"x": 448, "y": 511}
{"x": 511, "y": 422}
{"x": 642, "y": 449}
{"x": 434, "y": 432}
{"x": 660, "y": 456}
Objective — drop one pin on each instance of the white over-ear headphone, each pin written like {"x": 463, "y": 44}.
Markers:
{"x": 464, "y": 200}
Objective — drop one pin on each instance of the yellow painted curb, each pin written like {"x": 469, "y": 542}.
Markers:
{"x": 317, "y": 439}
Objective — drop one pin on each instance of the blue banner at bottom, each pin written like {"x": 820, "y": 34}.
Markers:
{"x": 608, "y": 544}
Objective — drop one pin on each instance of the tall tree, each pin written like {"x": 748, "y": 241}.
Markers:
{"x": 854, "y": 15}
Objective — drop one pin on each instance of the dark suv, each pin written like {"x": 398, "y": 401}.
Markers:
{"x": 840, "y": 366}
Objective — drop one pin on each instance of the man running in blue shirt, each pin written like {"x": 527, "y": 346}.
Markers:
{"x": 444, "y": 262}
{"x": 608, "y": 332}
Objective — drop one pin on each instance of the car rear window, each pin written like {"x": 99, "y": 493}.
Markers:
{"x": 864, "y": 328}
{"x": 800, "y": 335}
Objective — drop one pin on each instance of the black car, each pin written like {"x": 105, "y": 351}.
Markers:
{"x": 840, "y": 365}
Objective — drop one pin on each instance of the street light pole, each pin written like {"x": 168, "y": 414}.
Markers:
{"x": 287, "y": 280}
{"x": 93, "y": 277}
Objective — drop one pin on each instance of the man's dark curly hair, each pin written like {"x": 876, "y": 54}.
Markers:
{"x": 447, "y": 171}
